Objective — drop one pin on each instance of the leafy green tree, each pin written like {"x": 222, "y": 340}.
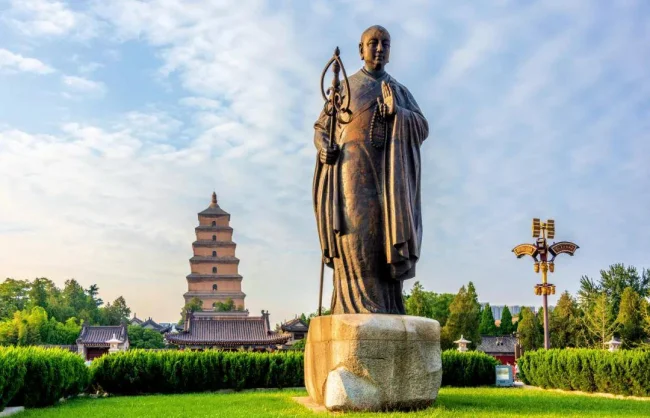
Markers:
{"x": 464, "y": 313}
{"x": 194, "y": 305}
{"x": 13, "y": 297}
{"x": 428, "y": 304}
{"x": 487, "y": 325}
{"x": 140, "y": 337}
{"x": 115, "y": 313}
{"x": 306, "y": 318}
{"x": 630, "y": 319}
{"x": 613, "y": 282}
{"x": 506, "y": 327}
{"x": 528, "y": 329}
{"x": 598, "y": 321}
{"x": 226, "y": 306}
{"x": 564, "y": 323}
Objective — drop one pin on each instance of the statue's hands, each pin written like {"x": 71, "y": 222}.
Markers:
{"x": 329, "y": 155}
{"x": 389, "y": 100}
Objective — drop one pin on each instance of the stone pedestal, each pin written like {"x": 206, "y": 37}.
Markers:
{"x": 373, "y": 362}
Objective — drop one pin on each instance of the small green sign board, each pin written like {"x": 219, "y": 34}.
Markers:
{"x": 504, "y": 376}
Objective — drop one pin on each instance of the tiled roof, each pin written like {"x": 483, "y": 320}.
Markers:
{"x": 228, "y": 332}
{"x": 295, "y": 325}
{"x": 97, "y": 336}
{"x": 495, "y": 345}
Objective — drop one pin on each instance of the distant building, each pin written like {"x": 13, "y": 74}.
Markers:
{"x": 163, "y": 327}
{"x": 93, "y": 341}
{"x": 501, "y": 348}
{"x": 296, "y": 328}
{"x": 203, "y": 330}
{"x": 214, "y": 280}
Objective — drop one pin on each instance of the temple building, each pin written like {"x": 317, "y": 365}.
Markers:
{"x": 223, "y": 321}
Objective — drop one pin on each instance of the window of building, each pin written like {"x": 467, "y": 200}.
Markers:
{"x": 214, "y": 253}
{"x": 214, "y": 269}
{"x": 214, "y": 223}
{"x": 214, "y": 238}
{"x": 214, "y": 287}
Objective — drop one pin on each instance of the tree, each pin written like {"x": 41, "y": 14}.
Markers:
{"x": 226, "y": 306}
{"x": 630, "y": 319}
{"x": 140, "y": 337}
{"x": 428, "y": 304}
{"x": 93, "y": 291}
{"x": 528, "y": 329}
{"x": 464, "y": 313}
{"x": 115, "y": 313}
{"x": 506, "y": 327}
{"x": 487, "y": 325}
{"x": 194, "y": 305}
{"x": 13, "y": 297}
{"x": 564, "y": 323}
{"x": 598, "y": 321}
{"x": 32, "y": 327}
{"x": 613, "y": 282}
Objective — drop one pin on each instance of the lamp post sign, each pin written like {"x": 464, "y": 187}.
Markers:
{"x": 544, "y": 256}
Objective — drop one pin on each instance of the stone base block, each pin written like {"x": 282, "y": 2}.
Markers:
{"x": 373, "y": 362}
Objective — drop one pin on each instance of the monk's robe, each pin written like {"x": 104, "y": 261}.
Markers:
{"x": 367, "y": 204}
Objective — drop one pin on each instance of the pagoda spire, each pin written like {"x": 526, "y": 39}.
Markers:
{"x": 213, "y": 204}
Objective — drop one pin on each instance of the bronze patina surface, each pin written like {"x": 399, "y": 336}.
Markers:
{"x": 366, "y": 188}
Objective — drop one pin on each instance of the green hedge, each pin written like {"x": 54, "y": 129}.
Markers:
{"x": 12, "y": 373}
{"x": 35, "y": 377}
{"x": 471, "y": 368}
{"x": 624, "y": 372}
{"x": 139, "y": 371}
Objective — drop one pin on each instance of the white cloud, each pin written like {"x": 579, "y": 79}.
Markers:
{"x": 10, "y": 61}
{"x": 49, "y": 18}
{"x": 84, "y": 86}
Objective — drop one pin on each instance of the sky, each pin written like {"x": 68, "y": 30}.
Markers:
{"x": 119, "y": 118}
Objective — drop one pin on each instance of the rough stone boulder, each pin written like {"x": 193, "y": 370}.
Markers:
{"x": 373, "y": 362}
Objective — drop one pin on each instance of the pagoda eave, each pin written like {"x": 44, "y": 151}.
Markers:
{"x": 211, "y": 228}
{"x": 215, "y": 295}
{"x": 196, "y": 277}
{"x": 220, "y": 260}
{"x": 213, "y": 244}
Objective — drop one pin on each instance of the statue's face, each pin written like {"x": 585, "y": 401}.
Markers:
{"x": 374, "y": 49}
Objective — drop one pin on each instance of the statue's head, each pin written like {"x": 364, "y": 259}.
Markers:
{"x": 374, "y": 48}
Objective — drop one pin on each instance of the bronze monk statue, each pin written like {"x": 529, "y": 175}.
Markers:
{"x": 367, "y": 187}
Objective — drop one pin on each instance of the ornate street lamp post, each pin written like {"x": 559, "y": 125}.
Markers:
{"x": 542, "y": 231}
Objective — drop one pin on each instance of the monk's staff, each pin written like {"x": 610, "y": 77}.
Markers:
{"x": 336, "y": 107}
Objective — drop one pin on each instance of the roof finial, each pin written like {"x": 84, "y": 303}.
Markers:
{"x": 214, "y": 200}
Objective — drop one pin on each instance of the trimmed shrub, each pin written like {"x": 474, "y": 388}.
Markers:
{"x": 12, "y": 374}
{"x": 42, "y": 375}
{"x": 138, "y": 371}
{"x": 624, "y": 372}
{"x": 471, "y": 368}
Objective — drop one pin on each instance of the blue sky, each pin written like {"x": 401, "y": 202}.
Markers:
{"x": 118, "y": 119}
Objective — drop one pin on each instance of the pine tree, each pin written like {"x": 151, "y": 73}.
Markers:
{"x": 564, "y": 323}
{"x": 630, "y": 319}
{"x": 597, "y": 321}
{"x": 463, "y": 319}
{"x": 528, "y": 329}
{"x": 506, "y": 327}
{"x": 487, "y": 325}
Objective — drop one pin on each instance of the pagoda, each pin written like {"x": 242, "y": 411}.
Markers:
{"x": 214, "y": 279}
{"x": 214, "y": 275}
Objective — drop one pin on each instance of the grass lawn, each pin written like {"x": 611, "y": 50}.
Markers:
{"x": 452, "y": 402}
